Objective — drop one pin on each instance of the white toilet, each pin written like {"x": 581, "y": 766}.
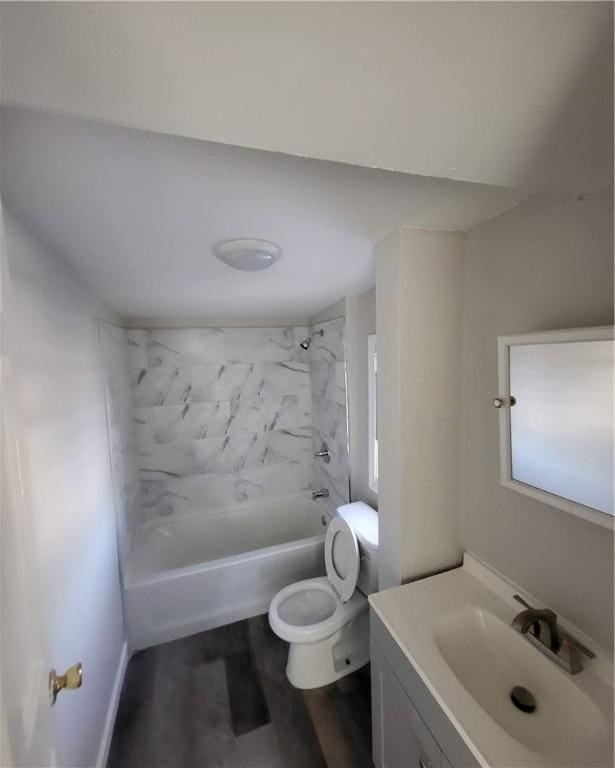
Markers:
{"x": 326, "y": 620}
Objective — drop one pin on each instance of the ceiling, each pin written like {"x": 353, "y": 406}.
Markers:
{"x": 517, "y": 94}
{"x": 137, "y": 135}
{"x": 136, "y": 214}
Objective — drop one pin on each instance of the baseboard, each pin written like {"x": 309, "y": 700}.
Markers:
{"x": 105, "y": 742}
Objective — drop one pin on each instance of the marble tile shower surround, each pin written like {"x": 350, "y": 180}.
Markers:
{"x": 221, "y": 415}
{"x": 120, "y": 427}
{"x": 329, "y": 413}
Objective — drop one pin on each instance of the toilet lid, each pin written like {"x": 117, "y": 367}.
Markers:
{"x": 342, "y": 558}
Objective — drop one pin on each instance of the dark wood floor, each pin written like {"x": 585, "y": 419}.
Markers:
{"x": 221, "y": 698}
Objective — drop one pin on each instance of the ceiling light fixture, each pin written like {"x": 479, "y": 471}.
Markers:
{"x": 248, "y": 255}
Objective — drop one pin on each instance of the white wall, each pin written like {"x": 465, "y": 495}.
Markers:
{"x": 66, "y": 472}
{"x": 419, "y": 309}
{"x": 360, "y": 323}
{"x": 392, "y": 519}
{"x": 546, "y": 264}
{"x": 329, "y": 313}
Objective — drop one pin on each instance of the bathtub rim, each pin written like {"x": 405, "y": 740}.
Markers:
{"x": 134, "y": 579}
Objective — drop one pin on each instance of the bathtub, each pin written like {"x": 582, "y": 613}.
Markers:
{"x": 194, "y": 573}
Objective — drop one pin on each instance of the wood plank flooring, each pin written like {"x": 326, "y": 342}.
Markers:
{"x": 221, "y": 699}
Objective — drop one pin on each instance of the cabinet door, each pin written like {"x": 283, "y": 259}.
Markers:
{"x": 401, "y": 738}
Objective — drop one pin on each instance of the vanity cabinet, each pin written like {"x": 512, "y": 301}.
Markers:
{"x": 401, "y": 738}
{"x": 408, "y": 726}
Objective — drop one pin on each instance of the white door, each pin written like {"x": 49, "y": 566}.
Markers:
{"x": 27, "y": 727}
{"x": 61, "y": 594}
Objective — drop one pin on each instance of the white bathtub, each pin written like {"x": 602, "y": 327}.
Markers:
{"x": 195, "y": 573}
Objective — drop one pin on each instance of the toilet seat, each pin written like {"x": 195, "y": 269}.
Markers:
{"x": 289, "y": 612}
{"x": 314, "y": 609}
{"x": 342, "y": 558}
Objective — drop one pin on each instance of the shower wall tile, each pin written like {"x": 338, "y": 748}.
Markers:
{"x": 214, "y": 417}
{"x": 301, "y": 333}
{"x": 329, "y": 381}
{"x": 329, "y": 410}
{"x": 122, "y": 445}
{"x": 259, "y": 482}
{"x": 159, "y": 386}
{"x": 330, "y": 346}
{"x": 212, "y": 383}
{"x": 168, "y": 424}
{"x": 220, "y": 382}
{"x": 190, "y": 347}
{"x": 263, "y": 345}
{"x": 330, "y": 420}
{"x": 185, "y": 347}
{"x": 222, "y": 415}
{"x": 167, "y": 494}
{"x": 336, "y": 383}
{"x": 179, "y": 458}
{"x": 136, "y": 343}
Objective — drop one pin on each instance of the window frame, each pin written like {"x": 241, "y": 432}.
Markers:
{"x": 506, "y": 478}
{"x": 372, "y": 411}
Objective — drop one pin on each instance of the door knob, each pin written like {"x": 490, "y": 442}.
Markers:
{"x": 71, "y": 679}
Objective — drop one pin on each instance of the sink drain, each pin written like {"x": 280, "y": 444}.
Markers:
{"x": 523, "y": 699}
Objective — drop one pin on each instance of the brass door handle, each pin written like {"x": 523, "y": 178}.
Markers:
{"x": 71, "y": 679}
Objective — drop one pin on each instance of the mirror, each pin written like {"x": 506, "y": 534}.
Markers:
{"x": 556, "y": 392}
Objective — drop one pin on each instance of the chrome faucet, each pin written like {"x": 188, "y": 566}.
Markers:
{"x": 561, "y": 648}
{"x": 532, "y": 618}
{"x": 324, "y": 453}
{"x": 322, "y": 494}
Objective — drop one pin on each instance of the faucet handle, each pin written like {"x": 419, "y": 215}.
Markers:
{"x": 573, "y": 643}
{"x": 523, "y": 602}
{"x": 579, "y": 646}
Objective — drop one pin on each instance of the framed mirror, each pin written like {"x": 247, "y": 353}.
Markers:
{"x": 556, "y": 419}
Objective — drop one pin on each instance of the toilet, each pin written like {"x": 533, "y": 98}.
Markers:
{"x": 326, "y": 620}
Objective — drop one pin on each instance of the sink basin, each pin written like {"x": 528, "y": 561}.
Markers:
{"x": 489, "y": 659}
{"x": 455, "y": 630}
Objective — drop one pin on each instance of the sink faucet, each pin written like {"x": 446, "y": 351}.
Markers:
{"x": 561, "y": 648}
{"x": 322, "y": 494}
{"x": 532, "y": 617}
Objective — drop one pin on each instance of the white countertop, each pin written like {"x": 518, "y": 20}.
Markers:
{"x": 575, "y": 728}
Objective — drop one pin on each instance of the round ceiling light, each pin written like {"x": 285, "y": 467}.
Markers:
{"x": 247, "y": 254}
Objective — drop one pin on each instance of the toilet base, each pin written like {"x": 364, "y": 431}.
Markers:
{"x": 312, "y": 665}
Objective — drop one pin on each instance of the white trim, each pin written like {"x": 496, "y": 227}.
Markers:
{"x": 105, "y": 742}
{"x": 601, "y": 333}
{"x": 372, "y": 367}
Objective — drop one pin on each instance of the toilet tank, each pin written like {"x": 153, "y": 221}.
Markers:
{"x": 364, "y": 522}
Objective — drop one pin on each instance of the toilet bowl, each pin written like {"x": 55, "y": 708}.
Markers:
{"x": 325, "y": 620}
{"x": 328, "y": 639}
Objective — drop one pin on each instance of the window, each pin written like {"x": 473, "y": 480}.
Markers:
{"x": 372, "y": 393}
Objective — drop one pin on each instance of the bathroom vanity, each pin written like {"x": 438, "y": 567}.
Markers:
{"x": 445, "y": 660}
